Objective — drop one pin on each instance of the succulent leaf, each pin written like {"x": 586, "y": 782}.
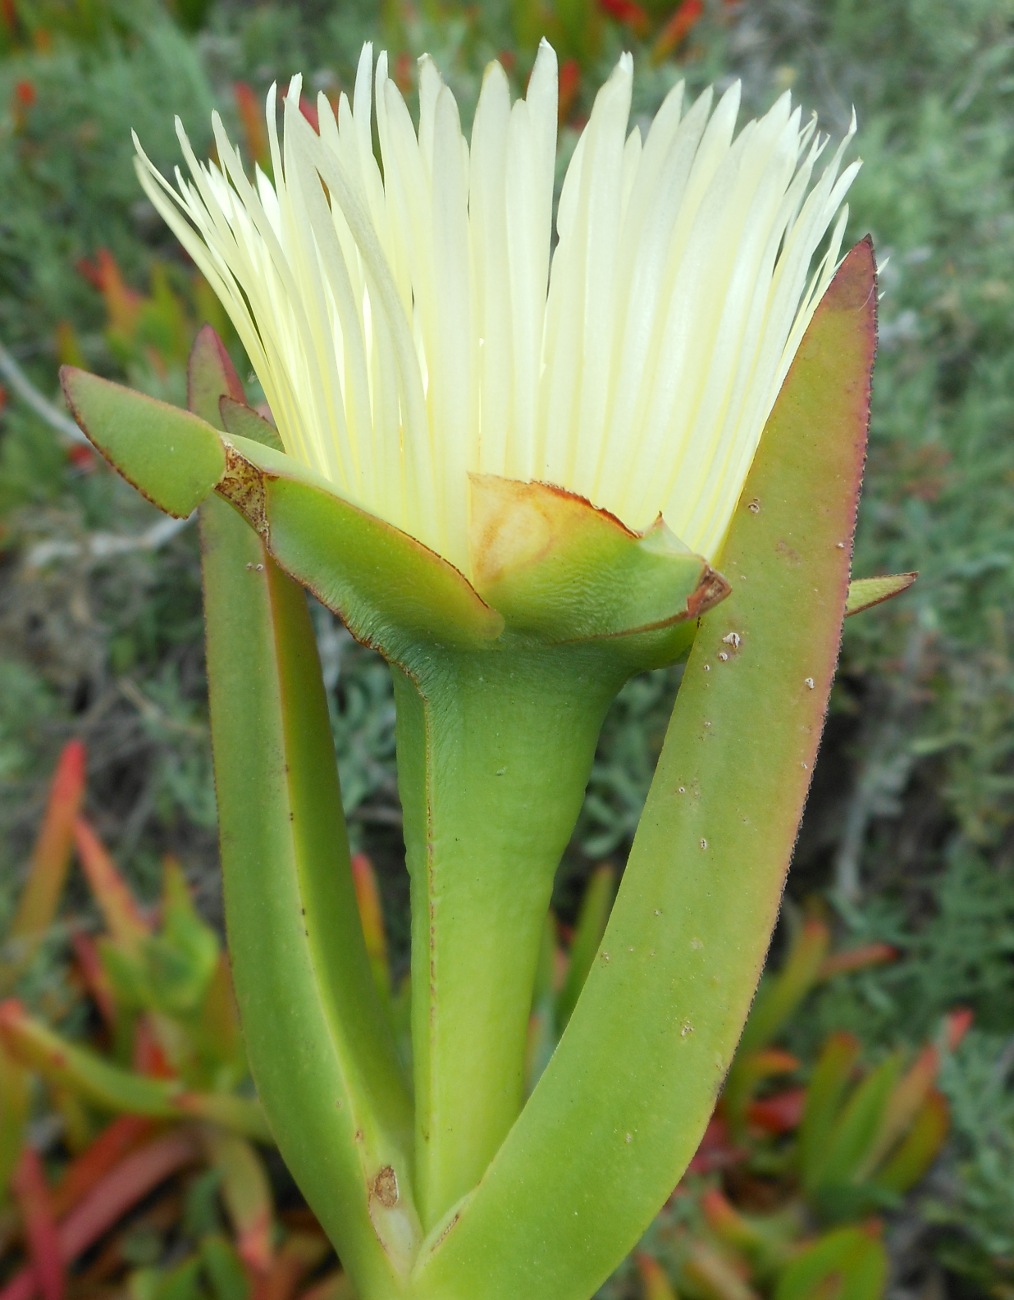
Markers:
{"x": 172, "y": 457}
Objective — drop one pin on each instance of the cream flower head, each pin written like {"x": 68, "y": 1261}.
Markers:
{"x": 412, "y": 324}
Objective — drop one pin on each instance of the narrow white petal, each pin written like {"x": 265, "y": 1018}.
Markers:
{"x": 494, "y": 302}
{"x": 584, "y": 292}
{"x": 530, "y": 181}
{"x": 410, "y": 328}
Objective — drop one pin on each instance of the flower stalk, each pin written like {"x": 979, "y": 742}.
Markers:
{"x": 320, "y": 1048}
{"x": 494, "y": 754}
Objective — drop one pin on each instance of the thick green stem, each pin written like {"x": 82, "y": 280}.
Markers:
{"x": 320, "y": 1050}
{"x": 494, "y": 753}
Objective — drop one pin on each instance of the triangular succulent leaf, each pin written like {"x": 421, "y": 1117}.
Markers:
{"x": 245, "y": 422}
{"x": 210, "y": 375}
{"x": 864, "y": 593}
{"x": 171, "y": 456}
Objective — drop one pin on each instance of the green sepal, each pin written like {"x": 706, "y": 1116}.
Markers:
{"x": 562, "y": 570}
{"x": 320, "y": 1050}
{"x": 390, "y": 590}
{"x": 172, "y": 457}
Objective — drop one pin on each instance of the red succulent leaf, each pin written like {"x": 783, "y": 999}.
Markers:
{"x": 627, "y": 12}
{"x": 570, "y": 80}
{"x": 870, "y": 954}
{"x": 780, "y": 1113}
{"x": 129, "y": 1182}
{"x": 678, "y": 28}
{"x": 114, "y": 1142}
{"x": 958, "y": 1023}
{"x": 251, "y": 116}
{"x": 32, "y": 1195}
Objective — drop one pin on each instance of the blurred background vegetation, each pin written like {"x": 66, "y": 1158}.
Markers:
{"x": 907, "y": 852}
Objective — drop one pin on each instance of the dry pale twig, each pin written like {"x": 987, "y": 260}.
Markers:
{"x": 101, "y": 546}
{"x": 41, "y": 405}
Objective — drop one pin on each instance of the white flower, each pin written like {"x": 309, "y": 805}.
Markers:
{"x": 410, "y": 326}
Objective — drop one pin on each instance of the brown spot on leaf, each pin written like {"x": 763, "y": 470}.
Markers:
{"x": 711, "y": 589}
{"x": 385, "y": 1187}
{"x": 242, "y": 485}
{"x": 446, "y": 1230}
{"x": 787, "y": 552}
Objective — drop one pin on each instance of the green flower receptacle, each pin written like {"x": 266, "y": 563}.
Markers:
{"x": 494, "y": 753}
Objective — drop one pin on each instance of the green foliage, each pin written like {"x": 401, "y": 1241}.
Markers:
{"x": 628, "y": 751}
{"x": 29, "y": 706}
{"x": 972, "y": 1197}
{"x": 28, "y": 23}
{"x": 32, "y": 464}
{"x": 66, "y": 167}
{"x": 362, "y": 719}
{"x": 829, "y": 1140}
{"x": 161, "y": 1053}
{"x": 958, "y": 953}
